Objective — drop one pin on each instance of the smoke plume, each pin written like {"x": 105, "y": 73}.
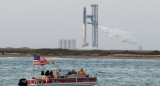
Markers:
{"x": 123, "y": 36}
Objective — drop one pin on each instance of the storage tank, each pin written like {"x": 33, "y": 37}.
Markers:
{"x": 68, "y": 44}
{"x": 73, "y": 44}
{"x": 63, "y": 44}
{"x": 60, "y": 44}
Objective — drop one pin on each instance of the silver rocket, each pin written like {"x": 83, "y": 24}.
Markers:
{"x": 84, "y": 28}
{"x": 84, "y": 25}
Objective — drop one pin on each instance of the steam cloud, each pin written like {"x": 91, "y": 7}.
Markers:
{"x": 123, "y": 36}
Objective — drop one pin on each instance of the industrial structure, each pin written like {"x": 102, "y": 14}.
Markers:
{"x": 94, "y": 22}
{"x": 140, "y": 48}
{"x": 67, "y": 44}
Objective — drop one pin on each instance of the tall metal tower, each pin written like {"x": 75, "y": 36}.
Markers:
{"x": 94, "y": 22}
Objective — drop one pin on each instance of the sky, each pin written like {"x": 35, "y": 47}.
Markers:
{"x": 41, "y": 23}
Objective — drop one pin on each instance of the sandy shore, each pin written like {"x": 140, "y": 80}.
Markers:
{"x": 111, "y": 56}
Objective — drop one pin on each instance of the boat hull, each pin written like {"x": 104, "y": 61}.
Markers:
{"x": 90, "y": 81}
{"x": 68, "y": 84}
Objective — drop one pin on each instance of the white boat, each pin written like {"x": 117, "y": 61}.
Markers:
{"x": 55, "y": 79}
{"x": 66, "y": 80}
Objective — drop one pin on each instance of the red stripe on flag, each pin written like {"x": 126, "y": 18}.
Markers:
{"x": 42, "y": 61}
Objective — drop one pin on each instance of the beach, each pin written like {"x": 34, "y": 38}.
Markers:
{"x": 110, "y": 56}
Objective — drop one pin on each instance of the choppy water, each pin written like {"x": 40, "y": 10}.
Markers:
{"x": 110, "y": 72}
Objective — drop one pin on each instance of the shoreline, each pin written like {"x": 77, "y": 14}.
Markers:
{"x": 111, "y": 56}
{"x": 64, "y": 53}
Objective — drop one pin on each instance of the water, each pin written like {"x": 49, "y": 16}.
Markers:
{"x": 110, "y": 72}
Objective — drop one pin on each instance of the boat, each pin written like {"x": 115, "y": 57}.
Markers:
{"x": 55, "y": 78}
{"x": 60, "y": 80}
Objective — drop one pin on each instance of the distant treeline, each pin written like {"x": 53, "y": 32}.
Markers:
{"x": 61, "y": 52}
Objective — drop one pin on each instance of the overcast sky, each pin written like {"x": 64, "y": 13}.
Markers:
{"x": 40, "y": 23}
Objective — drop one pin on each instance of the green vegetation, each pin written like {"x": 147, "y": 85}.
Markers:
{"x": 61, "y": 52}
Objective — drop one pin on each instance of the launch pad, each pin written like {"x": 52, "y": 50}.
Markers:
{"x": 94, "y": 22}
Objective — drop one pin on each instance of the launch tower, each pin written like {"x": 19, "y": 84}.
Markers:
{"x": 94, "y": 22}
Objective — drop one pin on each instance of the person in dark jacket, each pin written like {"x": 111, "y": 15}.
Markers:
{"x": 47, "y": 73}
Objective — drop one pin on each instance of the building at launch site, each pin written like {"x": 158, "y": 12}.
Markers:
{"x": 67, "y": 44}
{"x": 93, "y": 21}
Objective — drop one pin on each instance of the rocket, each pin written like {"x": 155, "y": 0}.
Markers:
{"x": 84, "y": 27}
{"x": 84, "y": 16}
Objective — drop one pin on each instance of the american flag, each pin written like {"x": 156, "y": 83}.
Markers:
{"x": 39, "y": 60}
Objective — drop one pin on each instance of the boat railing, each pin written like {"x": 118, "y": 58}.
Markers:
{"x": 76, "y": 78}
{"x": 38, "y": 81}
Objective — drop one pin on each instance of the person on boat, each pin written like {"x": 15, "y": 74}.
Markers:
{"x": 73, "y": 71}
{"x": 51, "y": 74}
{"x": 81, "y": 72}
{"x": 56, "y": 74}
{"x": 42, "y": 76}
{"x": 47, "y": 73}
{"x": 42, "y": 72}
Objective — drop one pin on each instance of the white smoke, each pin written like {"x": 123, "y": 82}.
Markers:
{"x": 123, "y": 36}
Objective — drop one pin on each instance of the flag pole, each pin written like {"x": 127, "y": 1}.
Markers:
{"x": 33, "y": 65}
{"x": 33, "y": 69}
